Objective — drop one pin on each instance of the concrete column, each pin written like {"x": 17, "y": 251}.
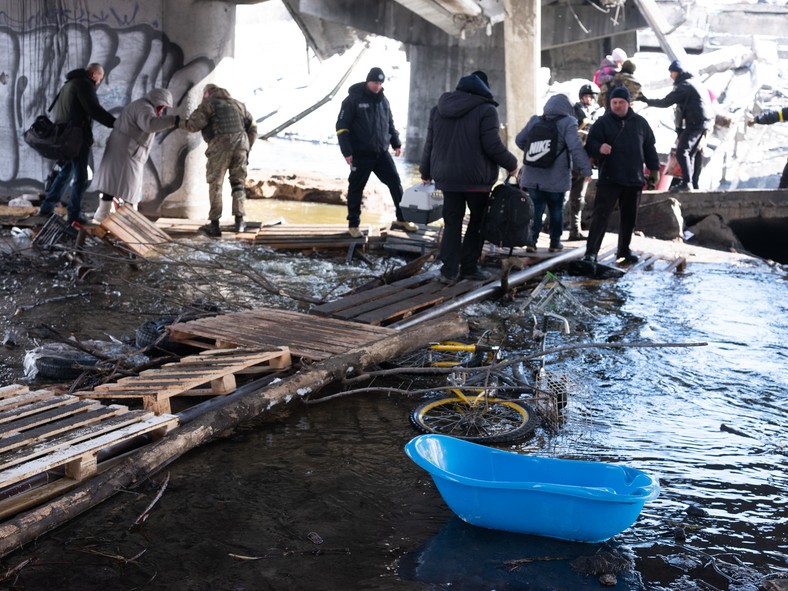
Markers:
{"x": 204, "y": 30}
{"x": 522, "y": 56}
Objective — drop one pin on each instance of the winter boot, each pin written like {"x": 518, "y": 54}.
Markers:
{"x": 240, "y": 224}
{"x": 212, "y": 229}
{"x": 103, "y": 211}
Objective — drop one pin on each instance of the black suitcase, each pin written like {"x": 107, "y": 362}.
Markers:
{"x": 510, "y": 216}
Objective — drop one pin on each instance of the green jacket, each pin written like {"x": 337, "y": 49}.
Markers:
{"x": 77, "y": 102}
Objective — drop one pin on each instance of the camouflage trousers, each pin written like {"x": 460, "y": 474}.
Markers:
{"x": 226, "y": 153}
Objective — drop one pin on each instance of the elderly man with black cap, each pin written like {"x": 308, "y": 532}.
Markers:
{"x": 365, "y": 130}
{"x": 694, "y": 118}
{"x": 622, "y": 142}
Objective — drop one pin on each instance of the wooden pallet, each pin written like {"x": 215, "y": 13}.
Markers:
{"x": 316, "y": 236}
{"x": 211, "y": 373}
{"x": 134, "y": 230}
{"x": 181, "y": 227}
{"x": 393, "y": 302}
{"x": 307, "y": 336}
{"x": 51, "y": 442}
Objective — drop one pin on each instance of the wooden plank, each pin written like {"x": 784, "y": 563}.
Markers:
{"x": 45, "y": 411}
{"x": 215, "y": 368}
{"x": 66, "y": 440}
{"x": 24, "y": 398}
{"x": 142, "y": 225}
{"x": 402, "y": 309}
{"x": 13, "y": 390}
{"x": 92, "y": 415}
{"x": 306, "y": 335}
{"x": 80, "y": 451}
{"x": 364, "y": 296}
{"x": 400, "y": 298}
{"x": 134, "y": 230}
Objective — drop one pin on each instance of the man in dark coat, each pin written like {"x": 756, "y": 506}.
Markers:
{"x": 365, "y": 130}
{"x": 78, "y": 103}
{"x": 767, "y": 118}
{"x": 463, "y": 153}
{"x": 622, "y": 142}
{"x": 694, "y": 118}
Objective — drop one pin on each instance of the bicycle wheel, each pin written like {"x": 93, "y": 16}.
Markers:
{"x": 484, "y": 421}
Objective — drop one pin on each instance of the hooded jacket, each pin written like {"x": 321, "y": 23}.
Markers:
{"x": 365, "y": 126}
{"x": 77, "y": 102}
{"x": 692, "y": 99}
{"x": 633, "y": 145}
{"x": 130, "y": 143}
{"x": 571, "y": 155}
{"x": 463, "y": 149}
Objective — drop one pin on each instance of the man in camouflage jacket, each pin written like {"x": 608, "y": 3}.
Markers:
{"x": 229, "y": 130}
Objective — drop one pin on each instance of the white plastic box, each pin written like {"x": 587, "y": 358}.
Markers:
{"x": 422, "y": 204}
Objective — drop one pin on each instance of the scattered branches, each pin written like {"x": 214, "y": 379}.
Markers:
{"x": 145, "y": 514}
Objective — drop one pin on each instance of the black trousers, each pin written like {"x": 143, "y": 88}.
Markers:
{"x": 628, "y": 199}
{"x": 364, "y": 165}
{"x": 687, "y": 150}
{"x": 461, "y": 254}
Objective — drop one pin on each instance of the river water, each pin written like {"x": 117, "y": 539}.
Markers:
{"x": 335, "y": 473}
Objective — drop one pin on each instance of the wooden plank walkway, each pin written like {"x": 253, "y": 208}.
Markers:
{"x": 390, "y": 303}
{"x": 189, "y": 376}
{"x": 309, "y": 337}
{"x": 50, "y": 442}
{"x": 134, "y": 230}
{"x": 317, "y": 236}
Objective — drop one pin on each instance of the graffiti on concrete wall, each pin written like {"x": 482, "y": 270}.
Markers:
{"x": 136, "y": 57}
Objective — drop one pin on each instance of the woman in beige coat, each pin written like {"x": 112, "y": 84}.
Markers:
{"x": 130, "y": 143}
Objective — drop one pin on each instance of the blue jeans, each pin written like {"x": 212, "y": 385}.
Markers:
{"x": 555, "y": 209}
{"x": 76, "y": 170}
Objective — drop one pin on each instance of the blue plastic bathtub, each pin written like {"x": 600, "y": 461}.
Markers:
{"x": 564, "y": 499}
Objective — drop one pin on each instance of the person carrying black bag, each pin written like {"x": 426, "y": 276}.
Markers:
{"x": 463, "y": 153}
{"x": 77, "y": 103}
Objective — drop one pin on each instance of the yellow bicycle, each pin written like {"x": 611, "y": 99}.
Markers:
{"x": 477, "y": 409}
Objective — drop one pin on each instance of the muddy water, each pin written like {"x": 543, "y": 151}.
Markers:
{"x": 336, "y": 473}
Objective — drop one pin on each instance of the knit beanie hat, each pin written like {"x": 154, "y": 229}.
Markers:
{"x": 618, "y": 55}
{"x": 481, "y": 76}
{"x": 376, "y": 75}
{"x": 620, "y": 92}
{"x": 675, "y": 66}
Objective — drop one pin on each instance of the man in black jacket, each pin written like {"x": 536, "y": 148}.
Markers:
{"x": 77, "y": 102}
{"x": 622, "y": 142}
{"x": 694, "y": 118}
{"x": 767, "y": 118}
{"x": 365, "y": 129}
{"x": 463, "y": 153}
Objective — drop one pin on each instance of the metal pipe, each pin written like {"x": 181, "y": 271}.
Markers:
{"x": 487, "y": 290}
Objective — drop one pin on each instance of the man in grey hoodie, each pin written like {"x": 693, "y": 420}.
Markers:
{"x": 547, "y": 186}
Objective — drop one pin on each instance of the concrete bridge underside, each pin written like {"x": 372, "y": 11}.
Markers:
{"x": 184, "y": 44}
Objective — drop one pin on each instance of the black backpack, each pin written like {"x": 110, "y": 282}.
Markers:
{"x": 542, "y": 148}
{"x": 510, "y": 215}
